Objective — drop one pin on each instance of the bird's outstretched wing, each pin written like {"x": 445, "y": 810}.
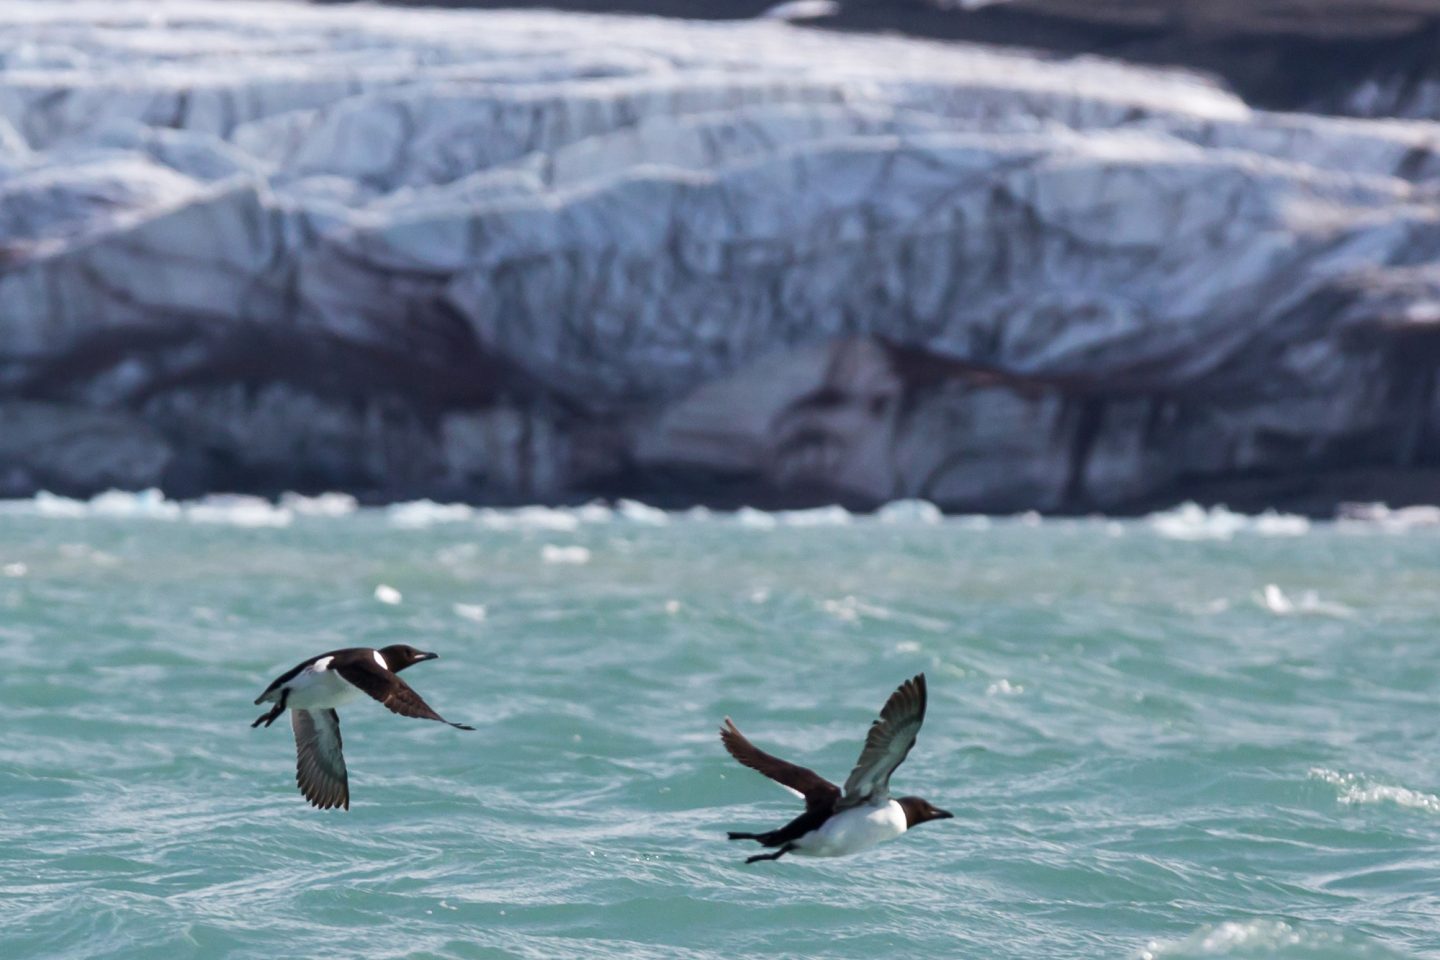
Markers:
{"x": 394, "y": 693}
{"x": 887, "y": 744}
{"x": 319, "y": 762}
{"x": 817, "y": 791}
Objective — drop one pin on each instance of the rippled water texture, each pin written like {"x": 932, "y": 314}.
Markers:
{"x": 1196, "y": 735}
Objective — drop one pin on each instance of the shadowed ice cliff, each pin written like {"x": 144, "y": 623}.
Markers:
{"x": 509, "y": 256}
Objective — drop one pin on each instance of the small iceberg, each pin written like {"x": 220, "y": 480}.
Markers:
{"x": 910, "y": 512}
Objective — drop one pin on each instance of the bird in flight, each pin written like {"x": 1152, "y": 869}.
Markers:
{"x": 838, "y": 823}
{"x": 313, "y": 689}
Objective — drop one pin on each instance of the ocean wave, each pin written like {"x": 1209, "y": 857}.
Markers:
{"x": 1357, "y": 790}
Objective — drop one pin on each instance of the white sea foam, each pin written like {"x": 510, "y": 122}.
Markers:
{"x": 1357, "y": 790}
{"x": 474, "y": 612}
{"x": 850, "y": 609}
{"x": 1275, "y": 600}
{"x": 388, "y": 595}
{"x": 1255, "y": 938}
{"x": 554, "y": 553}
{"x": 238, "y": 511}
{"x": 14, "y": 570}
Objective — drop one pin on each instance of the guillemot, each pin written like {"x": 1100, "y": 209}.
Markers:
{"x": 838, "y": 823}
{"x": 313, "y": 689}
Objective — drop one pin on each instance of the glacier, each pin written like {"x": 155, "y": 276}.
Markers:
{"x": 519, "y": 256}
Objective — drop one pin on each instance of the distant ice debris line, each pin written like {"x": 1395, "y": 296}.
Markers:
{"x": 1188, "y": 521}
{"x": 524, "y": 256}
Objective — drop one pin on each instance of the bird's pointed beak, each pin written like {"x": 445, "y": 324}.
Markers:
{"x": 943, "y": 814}
{"x": 429, "y": 656}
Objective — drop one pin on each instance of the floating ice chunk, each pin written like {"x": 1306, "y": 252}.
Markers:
{"x": 238, "y": 511}
{"x": 388, "y": 595}
{"x": 755, "y": 519}
{"x": 1190, "y": 521}
{"x": 831, "y": 516}
{"x": 1004, "y": 688}
{"x": 1272, "y": 524}
{"x": 324, "y": 505}
{"x": 474, "y": 612}
{"x": 48, "y": 504}
{"x": 800, "y": 10}
{"x": 146, "y": 503}
{"x": 672, "y": 607}
{"x": 909, "y": 511}
{"x": 1396, "y": 520}
{"x": 1355, "y": 790}
{"x": 637, "y": 512}
{"x": 593, "y": 512}
{"x": 530, "y": 518}
{"x": 553, "y": 553}
{"x": 418, "y": 514}
{"x": 14, "y": 570}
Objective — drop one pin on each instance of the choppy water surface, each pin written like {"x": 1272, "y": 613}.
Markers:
{"x": 1198, "y": 735}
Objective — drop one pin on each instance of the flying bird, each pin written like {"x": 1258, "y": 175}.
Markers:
{"x": 838, "y": 823}
{"x": 312, "y": 690}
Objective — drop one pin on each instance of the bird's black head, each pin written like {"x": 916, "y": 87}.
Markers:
{"x": 401, "y": 655}
{"x": 919, "y": 810}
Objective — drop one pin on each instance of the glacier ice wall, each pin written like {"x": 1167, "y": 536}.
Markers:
{"x": 520, "y": 255}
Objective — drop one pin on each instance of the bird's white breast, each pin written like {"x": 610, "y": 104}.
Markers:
{"x": 317, "y": 687}
{"x": 853, "y": 830}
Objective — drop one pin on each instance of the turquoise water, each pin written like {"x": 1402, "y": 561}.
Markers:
{"x": 1148, "y": 753}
